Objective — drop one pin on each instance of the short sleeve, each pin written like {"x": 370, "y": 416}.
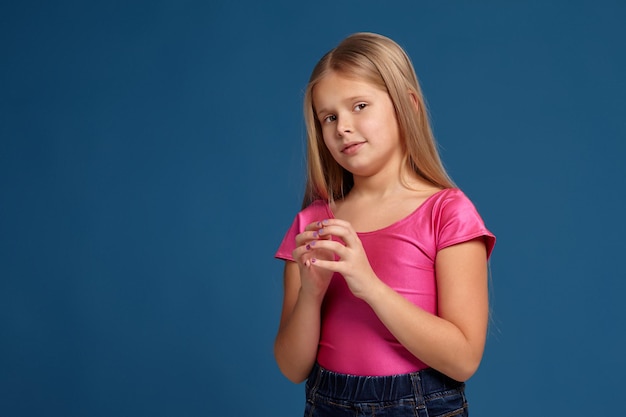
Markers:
{"x": 289, "y": 241}
{"x": 458, "y": 221}
{"x": 318, "y": 210}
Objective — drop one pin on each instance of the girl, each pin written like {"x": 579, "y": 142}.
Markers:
{"x": 385, "y": 302}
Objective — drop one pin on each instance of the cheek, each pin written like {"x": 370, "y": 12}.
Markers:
{"x": 328, "y": 148}
{"x": 386, "y": 129}
{"x": 372, "y": 129}
{"x": 325, "y": 138}
{"x": 328, "y": 137}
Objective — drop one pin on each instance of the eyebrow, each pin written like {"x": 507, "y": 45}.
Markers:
{"x": 349, "y": 99}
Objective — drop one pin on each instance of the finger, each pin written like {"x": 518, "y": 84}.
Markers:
{"x": 318, "y": 224}
{"x": 306, "y": 237}
{"x": 331, "y": 245}
{"x": 333, "y": 266}
{"x": 342, "y": 231}
{"x": 301, "y": 255}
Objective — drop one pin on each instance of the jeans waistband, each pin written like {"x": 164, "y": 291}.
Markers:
{"x": 378, "y": 388}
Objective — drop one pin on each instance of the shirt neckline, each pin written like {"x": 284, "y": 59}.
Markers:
{"x": 397, "y": 222}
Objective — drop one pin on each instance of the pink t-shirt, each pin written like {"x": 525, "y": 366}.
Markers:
{"x": 353, "y": 340}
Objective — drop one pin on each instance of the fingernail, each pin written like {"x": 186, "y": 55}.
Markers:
{"x": 315, "y": 234}
{"x": 312, "y": 243}
{"x": 325, "y": 222}
{"x": 319, "y": 232}
{"x": 313, "y": 260}
{"x": 308, "y": 247}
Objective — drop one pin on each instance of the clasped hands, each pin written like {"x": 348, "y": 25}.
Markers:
{"x": 319, "y": 255}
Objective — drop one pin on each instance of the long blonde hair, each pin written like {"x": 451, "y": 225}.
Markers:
{"x": 382, "y": 62}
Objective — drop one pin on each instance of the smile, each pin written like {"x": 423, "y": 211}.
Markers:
{"x": 352, "y": 147}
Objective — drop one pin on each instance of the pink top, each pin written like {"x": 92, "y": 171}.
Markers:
{"x": 353, "y": 340}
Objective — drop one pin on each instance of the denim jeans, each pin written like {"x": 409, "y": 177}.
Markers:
{"x": 426, "y": 393}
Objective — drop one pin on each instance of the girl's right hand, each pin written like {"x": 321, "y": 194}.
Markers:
{"x": 314, "y": 281}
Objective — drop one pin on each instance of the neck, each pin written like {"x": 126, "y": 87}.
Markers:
{"x": 387, "y": 184}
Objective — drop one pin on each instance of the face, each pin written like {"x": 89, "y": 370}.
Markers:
{"x": 359, "y": 125}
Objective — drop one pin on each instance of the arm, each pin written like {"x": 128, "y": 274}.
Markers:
{"x": 453, "y": 341}
{"x": 298, "y": 335}
{"x": 305, "y": 285}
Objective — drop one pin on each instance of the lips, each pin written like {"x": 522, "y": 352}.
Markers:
{"x": 352, "y": 147}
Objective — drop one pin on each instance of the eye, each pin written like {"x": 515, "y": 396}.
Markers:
{"x": 360, "y": 107}
{"x": 329, "y": 119}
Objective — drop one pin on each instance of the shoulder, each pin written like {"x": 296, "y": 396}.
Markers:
{"x": 316, "y": 207}
{"x": 456, "y": 219}
{"x": 452, "y": 201}
{"x": 317, "y": 210}
{"x": 450, "y": 194}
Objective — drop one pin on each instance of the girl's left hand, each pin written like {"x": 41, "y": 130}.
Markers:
{"x": 352, "y": 262}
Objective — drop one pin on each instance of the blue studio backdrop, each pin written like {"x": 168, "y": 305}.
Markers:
{"x": 152, "y": 157}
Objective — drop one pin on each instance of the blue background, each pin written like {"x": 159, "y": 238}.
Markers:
{"x": 151, "y": 158}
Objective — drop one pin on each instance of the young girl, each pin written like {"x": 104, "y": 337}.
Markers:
{"x": 385, "y": 306}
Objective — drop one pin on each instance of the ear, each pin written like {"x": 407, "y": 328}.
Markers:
{"x": 414, "y": 100}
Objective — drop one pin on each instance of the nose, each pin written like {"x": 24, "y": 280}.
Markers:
{"x": 344, "y": 125}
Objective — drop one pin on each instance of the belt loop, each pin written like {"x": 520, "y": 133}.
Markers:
{"x": 315, "y": 378}
{"x": 418, "y": 392}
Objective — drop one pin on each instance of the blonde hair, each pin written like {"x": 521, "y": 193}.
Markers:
{"x": 383, "y": 63}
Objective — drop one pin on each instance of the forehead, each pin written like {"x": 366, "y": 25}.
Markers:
{"x": 336, "y": 87}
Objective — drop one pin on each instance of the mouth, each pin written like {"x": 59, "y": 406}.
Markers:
{"x": 351, "y": 147}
